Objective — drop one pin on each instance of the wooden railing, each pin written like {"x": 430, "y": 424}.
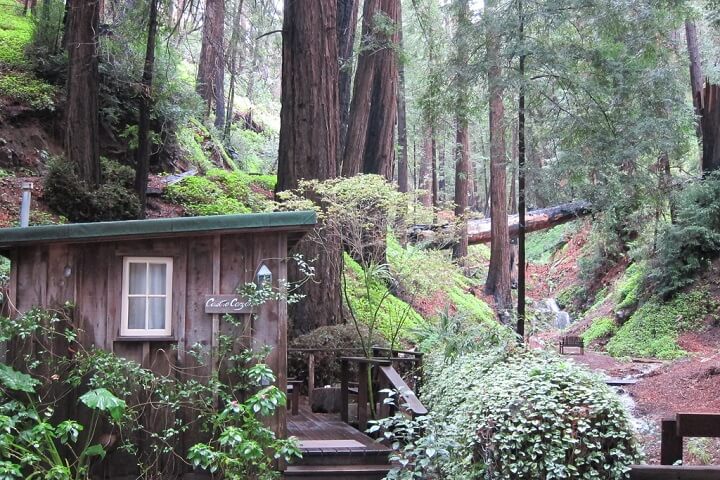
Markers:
{"x": 671, "y": 449}
{"x": 311, "y": 352}
{"x": 387, "y": 378}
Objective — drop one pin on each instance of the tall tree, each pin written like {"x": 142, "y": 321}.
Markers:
{"x": 82, "y": 122}
{"x": 234, "y": 52}
{"x": 425, "y": 176}
{"x": 144, "y": 143}
{"x": 369, "y": 145}
{"x": 498, "y": 279}
{"x": 402, "y": 164}
{"x": 211, "y": 68}
{"x": 347, "y": 12}
{"x": 309, "y": 128}
{"x": 462, "y": 144}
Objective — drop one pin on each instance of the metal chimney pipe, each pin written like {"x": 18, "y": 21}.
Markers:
{"x": 25, "y": 205}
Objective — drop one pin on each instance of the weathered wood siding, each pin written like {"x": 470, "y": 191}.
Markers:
{"x": 211, "y": 264}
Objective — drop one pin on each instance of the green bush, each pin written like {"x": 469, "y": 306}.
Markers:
{"x": 23, "y": 87}
{"x": 653, "y": 329}
{"x": 601, "y": 327}
{"x": 687, "y": 247}
{"x": 327, "y": 364}
{"x": 525, "y": 416}
{"x": 69, "y": 196}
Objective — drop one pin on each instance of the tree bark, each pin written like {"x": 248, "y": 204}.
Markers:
{"x": 370, "y": 139}
{"x": 211, "y": 69}
{"x": 425, "y": 180}
{"x": 347, "y": 12}
{"x": 234, "y": 65}
{"x": 309, "y": 126}
{"x": 146, "y": 103}
{"x": 498, "y": 279}
{"x": 402, "y": 119}
{"x": 433, "y": 168}
{"x": 82, "y": 121}
{"x": 462, "y": 144}
{"x": 696, "y": 79}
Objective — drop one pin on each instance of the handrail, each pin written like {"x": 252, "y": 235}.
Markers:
{"x": 394, "y": 351}
{"x": 411, "y": 401}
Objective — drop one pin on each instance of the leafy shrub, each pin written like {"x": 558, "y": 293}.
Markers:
{"x": 653, "y": 329}
{"x": 23, "y": 87}
{"x": 688, "y": 246}
{"x": 601, "y": 327}
{"x": 114, "y": 199}
{"x": 345, "y": 338}
{"x": 526, "y": 415}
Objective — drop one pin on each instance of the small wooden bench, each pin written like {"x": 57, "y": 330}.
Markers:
{"x": 572, "y": 342}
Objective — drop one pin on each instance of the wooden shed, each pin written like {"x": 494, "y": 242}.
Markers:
{"x": 144, "y": 287}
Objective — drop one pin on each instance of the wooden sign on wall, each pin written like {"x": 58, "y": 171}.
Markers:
{"x": 227, "y": 304}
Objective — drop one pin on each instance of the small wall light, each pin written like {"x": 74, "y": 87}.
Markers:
{"x": 67, "y": 271}
{"x": 264, "y": 276}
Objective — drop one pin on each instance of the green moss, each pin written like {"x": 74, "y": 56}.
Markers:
{"x": 191, "y": 144}
{"x": 219, "y": 192}
{"x": 22, "y": 87}
{"x": 602, "y": 327}
{"x": 393, "y": 315}
{"x": 653, "y": 329}
{"x": 471, "y": 306}
{"x": 569, "y": 296}
{"x": 542, "y": 245}
{"x": 15, "y": 33}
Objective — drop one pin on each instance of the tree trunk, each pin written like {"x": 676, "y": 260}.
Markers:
{"x": 512, "y": 201}
{"x": 234, "y": 65}
{"x": 82, "y": 121}
{"x": 425, "y": 180}
{"x": 144, "y": 143}
{"x": 369, "y": 144}
{"x": 498, "y": 279}
{"x": 347, "y": 12}
{"x": 696, "y": 79}
{"x": 442, "y": 184}
{"x": 433, "y": 167}
{"x": 402, "y": 119}
{"x": 211, "y": 68}
{"x": 309, "y": 125}
{"x": 462, "y": 145}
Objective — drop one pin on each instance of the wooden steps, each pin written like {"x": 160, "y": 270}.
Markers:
{"x": 345, "y": 472}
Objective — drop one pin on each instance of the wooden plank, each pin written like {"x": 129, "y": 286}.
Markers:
{"x": 311, "y": 376}
{"x": 671, "y": 447}
{"x": 344, "y": 393}
{"x": 363, "y": 396}
{"x": 216, "y": 252}
{"x": 93, "y": 294}
{"x": 410, "y": 400}
{"x": 698, "y": 424}
{"x": 620, "y": 382}
{"x": 666, "y": 472}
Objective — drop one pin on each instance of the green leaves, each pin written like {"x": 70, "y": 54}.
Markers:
{"x": 17, "y": 381}
{"x": 103, "y": 400}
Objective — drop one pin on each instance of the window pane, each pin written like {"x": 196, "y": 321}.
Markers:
{"x": 157, "y": 278}
{"x": 138, "y": 272}
{"x": 136, "y": 313}
{"x": 156, "y": 313}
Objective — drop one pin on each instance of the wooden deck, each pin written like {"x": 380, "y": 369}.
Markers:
{"x": 325, "y": 432}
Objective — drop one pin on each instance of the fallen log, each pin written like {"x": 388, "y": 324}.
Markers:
{"x": 479, "y": 229}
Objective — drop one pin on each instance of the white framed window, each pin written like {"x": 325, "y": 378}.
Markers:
{"x": 146, "y": 297}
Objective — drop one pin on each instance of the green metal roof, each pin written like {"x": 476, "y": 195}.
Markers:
{"x": 162, "y": 227}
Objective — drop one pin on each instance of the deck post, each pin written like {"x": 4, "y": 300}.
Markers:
{"x": 671, "y": 448}
{"x": 344, "y": 394}
{"x": 362, "y": 396}
{"x": 311, "y": 376}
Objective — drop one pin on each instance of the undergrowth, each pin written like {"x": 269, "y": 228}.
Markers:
{"x": 540, "y": 246}
{"x": 601, "y": 327}
{"x": 653, "y": 329}
{"x": 220, "y": 192}
{"x": 15, "y": 34}
{"x": 25, "y": 88}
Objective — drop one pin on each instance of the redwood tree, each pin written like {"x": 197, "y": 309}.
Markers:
{"x": 82, "y": 121}
{"x": 347, "y": 12}
{"x": 309, "y": 125}
{"x": 369, "y": 144}
{"x": 211, "y": 68}
{"x": 402, "y": 164}
{"x": 498, "y": 279}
